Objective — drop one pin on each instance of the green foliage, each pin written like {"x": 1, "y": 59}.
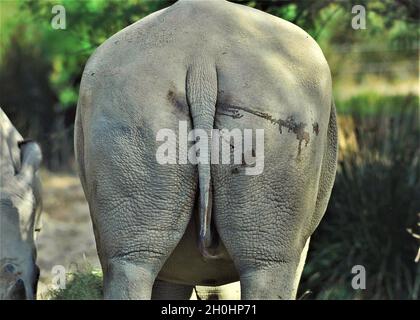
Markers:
{"x": 373, "y": 205}
{"x": 91, "y": 22}
{"x": 373, "y": 104}
{"x": 82, "y": 285}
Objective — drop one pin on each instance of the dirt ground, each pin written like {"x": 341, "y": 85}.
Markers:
{"x": 66, "y": 237}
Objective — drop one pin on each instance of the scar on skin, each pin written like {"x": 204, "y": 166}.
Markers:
{"x": 290, "y": 123}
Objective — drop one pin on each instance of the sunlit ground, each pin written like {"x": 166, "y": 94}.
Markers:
{"x": 66, "y": 236}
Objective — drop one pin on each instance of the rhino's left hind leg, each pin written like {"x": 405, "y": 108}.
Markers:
{"x": 163, "y": 290}
{"x": 140, "y": 208}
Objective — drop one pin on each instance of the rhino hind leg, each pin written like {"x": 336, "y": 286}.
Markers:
{"x": 263, "y": 219}
{"x": 134, "y": 238}
{"x": 279, "y": 282}
{"x": 135, "y": 230}
{"x": 125, "y": 280}
{"x": 163, "y": 290}
{"x": 269, "y": 259}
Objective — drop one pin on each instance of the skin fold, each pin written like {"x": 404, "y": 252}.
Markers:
{"x": 20, "y": 203}
{"x": 161, "y": 229}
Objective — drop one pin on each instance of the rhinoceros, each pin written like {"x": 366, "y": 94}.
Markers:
{"x": 20, "y": 207}
{"x": 162, "y": 229}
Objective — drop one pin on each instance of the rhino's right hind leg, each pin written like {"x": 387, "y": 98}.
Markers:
{"x": 124, "y": 280}
{"x": 280, "y": 282}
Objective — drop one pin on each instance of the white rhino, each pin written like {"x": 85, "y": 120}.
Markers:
{"x": 162, "y": 229}
{"x": 20, "y": 201}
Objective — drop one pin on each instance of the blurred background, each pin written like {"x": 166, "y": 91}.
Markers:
{"x": 374, "y": 213}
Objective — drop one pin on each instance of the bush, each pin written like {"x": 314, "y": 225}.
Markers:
{"x": 374, "y": 206}
{"x": 81, "y": 285}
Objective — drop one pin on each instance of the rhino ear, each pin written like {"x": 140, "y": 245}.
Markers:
{"x": 31, "y": 157}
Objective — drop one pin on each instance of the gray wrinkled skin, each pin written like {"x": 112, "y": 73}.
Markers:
{"x": 19, "y": 212}
{"x": 212, "y": 64}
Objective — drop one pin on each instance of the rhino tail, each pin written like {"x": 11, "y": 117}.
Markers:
{"x": 201, "y": 92}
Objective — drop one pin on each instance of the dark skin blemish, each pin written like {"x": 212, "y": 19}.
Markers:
{"x": 290, "y": 123}
{"x": 301, "y": 134}
{"x": 171, "y": 96}
{"x": 315, "y": 128}
{"x": 234, "y": 115}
